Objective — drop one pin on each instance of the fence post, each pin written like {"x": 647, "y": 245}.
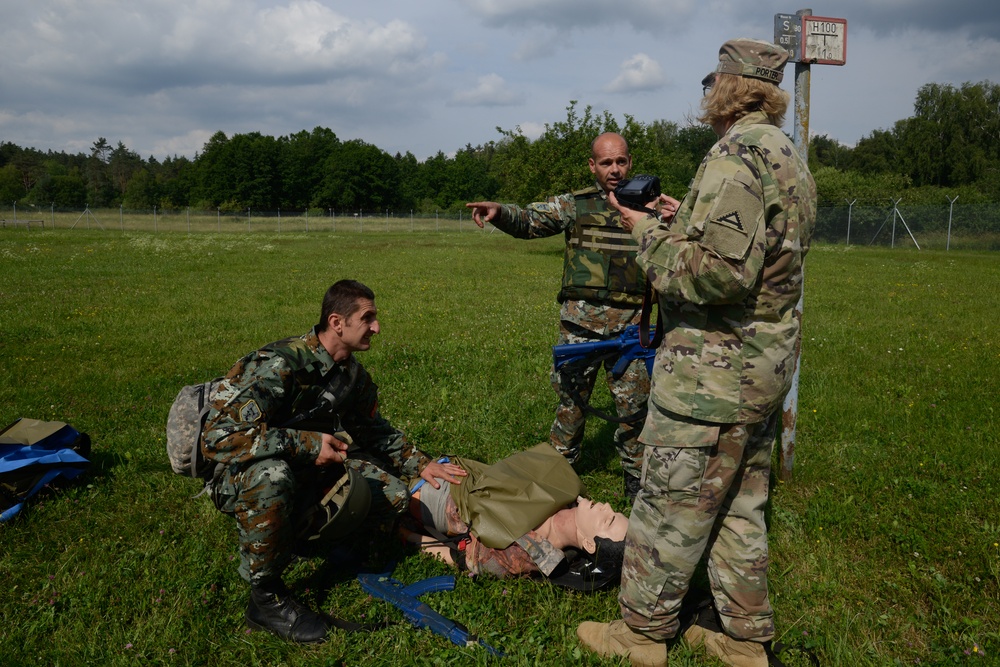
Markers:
{"x": 188, "y": 213}
{"x": 53, "y": 211}
{"x": 154, "y": 217}
{"x": 248, "y": 220}
{"x": 121, "y": 218}
{"x": 218, "y": 219}
{"x": 951, "y": 208}
{"x": 850, "y": 206}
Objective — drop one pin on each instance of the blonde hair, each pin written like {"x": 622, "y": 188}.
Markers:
{"x": 732, "y": 97}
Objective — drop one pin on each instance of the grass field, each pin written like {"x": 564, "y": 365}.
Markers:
{"x": 884, "y": 543}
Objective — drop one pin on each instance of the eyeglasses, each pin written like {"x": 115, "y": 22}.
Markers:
{"x": 706, "y": 84}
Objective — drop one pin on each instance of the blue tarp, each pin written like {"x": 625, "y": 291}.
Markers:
{"x": 37, "y": 453}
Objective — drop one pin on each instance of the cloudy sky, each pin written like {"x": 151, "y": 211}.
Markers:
{"x": 162, "y": 76}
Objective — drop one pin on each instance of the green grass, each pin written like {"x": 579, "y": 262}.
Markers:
{"x": 884, "y": 542}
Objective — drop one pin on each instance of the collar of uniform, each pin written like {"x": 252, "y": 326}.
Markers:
{"x": 752, "y": 118}
{"x": 312, "y": 342}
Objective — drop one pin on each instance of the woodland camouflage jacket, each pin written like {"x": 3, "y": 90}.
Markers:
{"x": 277, "y": 401}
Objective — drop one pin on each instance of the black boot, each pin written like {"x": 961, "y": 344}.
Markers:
{"x": 632, "y": 485}
{"x": 273, "y": 608}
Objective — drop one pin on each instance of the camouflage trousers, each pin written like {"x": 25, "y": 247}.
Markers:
{"x": 271, "y": 502}
{"x": 705, "y": 496}
{"x": 584, "y": 323}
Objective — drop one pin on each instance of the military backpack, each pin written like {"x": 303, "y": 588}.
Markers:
{"x": 184, "y": 426}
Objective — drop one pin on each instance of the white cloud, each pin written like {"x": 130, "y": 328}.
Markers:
{"x": 641, "y": 15}
{"x": 639, "y": 73}
{"x": 162, "y": 74}
{"x": 490, "y": 91}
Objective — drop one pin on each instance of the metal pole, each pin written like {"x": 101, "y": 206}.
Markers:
{"x": 53, "y": 211}
{"x": 121, "y": 218}
{"x": 850, "y": 205}
{"x": 951, "y": 208}
{"x": 189, "y": 219}
{"x": 279, "y": 220}
{"x": 218, "y": 219}
{"x": 248, "y": 220}
{"x": 154, "y": 218}
{"x": 895, "y": 210}
{"x": 790, "y": 409}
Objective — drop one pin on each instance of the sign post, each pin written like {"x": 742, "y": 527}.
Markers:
{"x": 809, "y": 40}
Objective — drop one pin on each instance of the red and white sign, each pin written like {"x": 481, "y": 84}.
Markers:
{"x": 824, "y": 40}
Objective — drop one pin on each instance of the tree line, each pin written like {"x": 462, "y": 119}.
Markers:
{"x": 950, "y": 147}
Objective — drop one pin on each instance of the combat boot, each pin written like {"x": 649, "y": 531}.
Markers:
{"x": 733, "y": 652}
{"x": 617, "y": 639}
{"x": 273, "y": 608}
{"x": 632, "y": 485}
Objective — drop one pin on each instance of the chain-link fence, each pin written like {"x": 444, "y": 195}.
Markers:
{"x": 246, "y": 221}
{"x": 947, "y": 227}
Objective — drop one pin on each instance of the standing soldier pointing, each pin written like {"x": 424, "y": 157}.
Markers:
{"x": 602, "y": 288}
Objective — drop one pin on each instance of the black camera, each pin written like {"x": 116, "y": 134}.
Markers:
{"x": 638, "y": 191}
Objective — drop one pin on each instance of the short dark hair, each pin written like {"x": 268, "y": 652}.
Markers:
{"x": 342, "y": 298}
{"x": 609, "y": 556}
{"x": 586, "y": 572}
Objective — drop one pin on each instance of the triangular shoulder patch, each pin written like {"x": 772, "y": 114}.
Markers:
{"x": 731, "y": 219}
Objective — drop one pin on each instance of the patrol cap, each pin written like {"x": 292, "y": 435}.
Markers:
{"x": 753, "y": 58}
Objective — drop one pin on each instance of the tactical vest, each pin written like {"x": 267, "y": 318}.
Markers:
{"x": 319, "y": 399}
{"x": 600, "y": 264}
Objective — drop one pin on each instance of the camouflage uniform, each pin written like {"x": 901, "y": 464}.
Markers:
{"x": 601, "y": 294}
{"x": 265, "y": 425}
{"x": 728, "y": 271}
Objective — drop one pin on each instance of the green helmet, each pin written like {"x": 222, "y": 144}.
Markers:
{"x": 342, "y": 509}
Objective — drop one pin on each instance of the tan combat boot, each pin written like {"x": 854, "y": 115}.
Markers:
{"x": 733, "y": 652}
{"x": 617, "y": 639}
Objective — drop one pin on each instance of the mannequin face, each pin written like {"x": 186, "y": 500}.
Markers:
{"x": 598, "y": 520}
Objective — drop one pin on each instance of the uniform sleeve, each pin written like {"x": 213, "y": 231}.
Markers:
{"x": 373, "y": 432}
{"x": 538, "y": 220}
{"x": 249, "y": 399}
{"x": 513, "y": 561}
{"x": 713, "y": 251}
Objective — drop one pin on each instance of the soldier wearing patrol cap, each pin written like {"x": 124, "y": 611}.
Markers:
{"x": 728, "y": 273}
{"x": 305, "y": 456}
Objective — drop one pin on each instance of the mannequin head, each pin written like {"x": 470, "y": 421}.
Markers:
{"x": 598, "y": 520}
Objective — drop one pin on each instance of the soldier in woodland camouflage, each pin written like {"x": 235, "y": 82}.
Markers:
{"x": 284, "y": 423}
{"x": 601, "y": 294}
{"x": 728, "y": 272}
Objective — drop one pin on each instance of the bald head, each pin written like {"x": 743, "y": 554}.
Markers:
{"x": 609, "y": 160}
{"x": 608, "y": 140}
